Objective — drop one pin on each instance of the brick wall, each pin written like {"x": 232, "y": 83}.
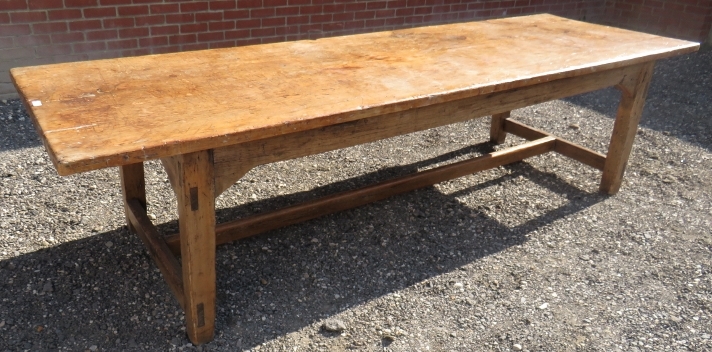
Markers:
{"x": 687, "y": 19}
{"x": 46, "y": 31}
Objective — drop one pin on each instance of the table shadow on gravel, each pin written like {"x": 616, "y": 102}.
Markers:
{"x": 104, "y": 290}
{"x": 677, "y": 102}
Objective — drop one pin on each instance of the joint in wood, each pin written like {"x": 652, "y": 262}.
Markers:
{"x": 201, "y": 314}
{"x": 622, "y": 88}
{"x": 562, "y": 146}
{"x": 194, "y": 198}
{"x": 632, "y": 81}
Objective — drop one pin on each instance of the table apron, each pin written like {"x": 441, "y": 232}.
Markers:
{"x": 232, "y": 162}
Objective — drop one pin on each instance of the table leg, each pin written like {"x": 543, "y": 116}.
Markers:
{"x": 133, "y": 185}
{"x": 196, "y": 213}
{"x": 633, "y": 92}
{"x": 497, "y": 132}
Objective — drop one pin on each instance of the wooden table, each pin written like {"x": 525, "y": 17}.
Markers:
{"x": 210, "y": 116}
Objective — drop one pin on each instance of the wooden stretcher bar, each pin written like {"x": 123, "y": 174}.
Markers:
{"x": 157, "y": 248}
{"x": 242, "y": 228}
{"x": 572, "y": 150}
{"x": 542, "y": 142}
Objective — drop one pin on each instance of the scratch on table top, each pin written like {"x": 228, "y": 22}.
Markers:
{"x": 70, "y": 128}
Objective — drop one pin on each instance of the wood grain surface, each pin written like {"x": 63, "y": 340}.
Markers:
{"x": 232, "y": 162}
{"x": 630, "y": 110}
{"x": 196, "y": 213}
{"x": 104, "y": 113}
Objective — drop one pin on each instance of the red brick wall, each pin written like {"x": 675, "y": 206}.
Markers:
{"x": 46, "y": 31}
{"x": 686, "y": 19}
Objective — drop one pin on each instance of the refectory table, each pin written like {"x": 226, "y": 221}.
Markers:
{"x": 210, "y": 116}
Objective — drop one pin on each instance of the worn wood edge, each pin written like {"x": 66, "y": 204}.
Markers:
{"x": 58, "y": 165}
{"x": 572, "y": 150}
{"x": 242, "y": 228}
{"x": 157, "y": 249}
{"x": 232, "y": 162}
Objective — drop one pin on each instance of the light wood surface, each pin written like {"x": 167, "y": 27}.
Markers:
{"x": 196, "y": 212}
{"x": 104, "y": 113}
{"x": 232, "y": 162}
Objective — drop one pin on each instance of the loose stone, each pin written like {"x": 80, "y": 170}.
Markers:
{"x": 333, "y": 325}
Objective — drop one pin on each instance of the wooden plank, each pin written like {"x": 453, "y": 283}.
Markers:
{"x": 122, "y": 111}
{"x": 232, "y": 162}
{"x": 157, "y": 249}
{"x": 331, "y": 204}
{"x": 196, "y": 220}
{"x": 572, "y": 150}
{"x": 497, "y": 132}
{"x": 133, "y": 186}
{"x": 630, "y": 109}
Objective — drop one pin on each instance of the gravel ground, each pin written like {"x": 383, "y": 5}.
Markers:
{"x": 524, "y": 257}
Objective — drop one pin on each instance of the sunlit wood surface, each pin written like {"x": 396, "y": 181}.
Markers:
{"x": 120, "y": 111}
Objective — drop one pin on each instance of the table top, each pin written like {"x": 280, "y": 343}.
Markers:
{"x": 114, "y": 112}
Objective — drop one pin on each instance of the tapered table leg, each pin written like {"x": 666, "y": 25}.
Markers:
{"x": 634, "y": 89}
{"x": 196, "y": 213}
{"x": 133, "y": 186}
